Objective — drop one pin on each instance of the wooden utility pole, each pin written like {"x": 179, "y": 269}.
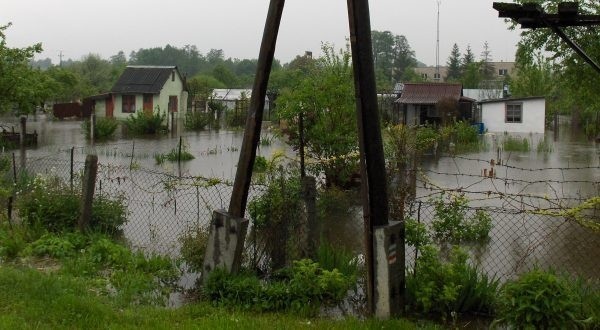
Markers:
{"x": 87, "y": 194}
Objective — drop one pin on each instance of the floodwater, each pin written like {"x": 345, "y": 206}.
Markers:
{"x": 562, "y": 177}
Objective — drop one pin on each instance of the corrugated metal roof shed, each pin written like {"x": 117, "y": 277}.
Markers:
{"x": 429, "y": 93}
{"x": 143, "y": 79}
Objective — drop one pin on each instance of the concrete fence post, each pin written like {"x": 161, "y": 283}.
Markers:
{"x": 87, "y": 195}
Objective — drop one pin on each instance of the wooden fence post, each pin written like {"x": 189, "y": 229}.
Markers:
{"x": 87, "y": 196}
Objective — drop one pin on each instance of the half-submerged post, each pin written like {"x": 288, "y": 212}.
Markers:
{"x": 384, "y": 240}
{"x": 87, "y": 194}
{"x": 22, "y": 143}
{"x": 228, "y": 228}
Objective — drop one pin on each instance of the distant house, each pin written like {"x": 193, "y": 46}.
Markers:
{"x": 430, "y": 73}
{"x": 231, "y": 97}
{"x": 419, "y": 103}
{"x": 515, "y": 115}
{"x": 144, "y": 88}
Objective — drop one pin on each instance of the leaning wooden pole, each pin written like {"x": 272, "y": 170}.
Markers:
{"x": 243, "y": 175}
{"x": 375, "y": 199}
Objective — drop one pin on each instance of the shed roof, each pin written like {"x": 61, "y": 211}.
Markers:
{"x": 143, "y": 79}
{"x": 512, "y": 99}
{"x": 429, "y": 93}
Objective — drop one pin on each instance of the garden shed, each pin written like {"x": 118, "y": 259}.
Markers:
{"x": 513, "y": 115}
{"x": 423, "y": 103}
{"x": 144, "y": 88}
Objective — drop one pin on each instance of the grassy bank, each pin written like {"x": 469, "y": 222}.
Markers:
{"x": 31, "y": 298}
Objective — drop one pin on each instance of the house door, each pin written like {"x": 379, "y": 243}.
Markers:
{"x": 148, "y": 104}
{"x": 172, "y": 103}
{"x": 110, "y": 106}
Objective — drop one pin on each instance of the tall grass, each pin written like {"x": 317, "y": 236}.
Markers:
{"x": 510, "y": 143}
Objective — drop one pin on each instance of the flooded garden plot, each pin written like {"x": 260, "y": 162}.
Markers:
{"x": 166, "y": 201}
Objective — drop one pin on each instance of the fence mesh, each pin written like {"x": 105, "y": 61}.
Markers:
{"x": 162, "y": 207}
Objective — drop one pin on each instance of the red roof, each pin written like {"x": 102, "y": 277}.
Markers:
{"x": 429, "y": 93}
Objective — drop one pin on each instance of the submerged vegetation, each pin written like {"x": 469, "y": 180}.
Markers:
{"x": 147, "y": 123}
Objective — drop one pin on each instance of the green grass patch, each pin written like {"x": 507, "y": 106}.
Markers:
{"x": 510, "y": 143}
{"x": 33, "y": 299}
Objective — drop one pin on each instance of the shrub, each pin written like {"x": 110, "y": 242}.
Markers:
{"x": 193, "y": 247}
{"x": 447, "y": 288}
{"x": 335, "y": 257}
{"x": 451, "y": 225}
{"x": 274, "y": 214}
{"x": 235, "y": 118}
{"x": 50, "y": 203}
{"x": 538, "y": 299}
{"x": 197, "y": 120}
{"x": 104, "y": 129}
{"x": 302, "y": 288}
{"x": 515, "y": 144}
{"x": 147, "y": 123}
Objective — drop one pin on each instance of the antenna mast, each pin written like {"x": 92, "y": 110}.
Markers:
{"x": 437, "y": 45}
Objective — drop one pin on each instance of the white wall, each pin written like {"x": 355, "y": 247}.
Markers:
{"x": 534, "y": 112}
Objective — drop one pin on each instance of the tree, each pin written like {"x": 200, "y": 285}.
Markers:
{"x": 224, "y": 74}
{"x": 119, "y": 59}
{"x": 393, "y": 58}
{"x": 21, "y": 87}
{"x": 577, "y": 81}
{"x": 454, "y": 65}
{"x": 534, "y": 77}
{"x": 325, "y": 97}
{"x": 487, "y": 68}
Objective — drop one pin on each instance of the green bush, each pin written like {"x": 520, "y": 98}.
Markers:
{"x": 451, "y": 224}
{"x": 235, "y": 118}
{"x": 197, "y": 120}
{"x": 539, "y": 300}
{"x": 448, "y": 288}
{"x": 193, "y": 246}
{"x": 336, "y": 257}
{"x": 105, "y": 128}
{"x": 147, "y": 123}
{"x": 302, "y": 288}
{"x": 510, "y": 143}
{"x": 50, "y": 203}
{"x": 274, "y": 216}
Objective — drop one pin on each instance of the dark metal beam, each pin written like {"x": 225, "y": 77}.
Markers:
{"x": 374, "y": 187}
{"x": 243, "y": 174}
{"x": 532, "y": 16}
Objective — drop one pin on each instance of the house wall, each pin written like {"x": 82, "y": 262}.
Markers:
{"x": 171, "y": 88}
{"x": 534, "y": 113}
{"x": 100, "y": 108}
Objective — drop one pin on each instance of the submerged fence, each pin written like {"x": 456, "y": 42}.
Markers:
{"x": 528, "y": 230}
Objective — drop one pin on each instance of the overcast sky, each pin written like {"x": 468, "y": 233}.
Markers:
{"x": 79, "y": 27}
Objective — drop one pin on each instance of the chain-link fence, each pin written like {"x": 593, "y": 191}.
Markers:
{"x": 163, "y": 207}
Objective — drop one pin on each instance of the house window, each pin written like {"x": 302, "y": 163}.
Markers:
{"x": 128, "y": 103}
{"x": 436, "y": 76}
{"x": 514, "y": 113}
{"x": 173, "y": 76}
{"x": 424, "y": 76}
{"x": 172, "y": 103}
{"x": 502, "y": 72}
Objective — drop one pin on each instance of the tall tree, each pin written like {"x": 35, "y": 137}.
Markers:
{"x": 325, "y": 97}
{"x": 577, "y": 81}
{"x": 487, "y": 67}
{"x": 468, "y": 56}
{"x": 393, "y": 58}
{"x": 454, "y": 65}
{"x": 21, "y": 87}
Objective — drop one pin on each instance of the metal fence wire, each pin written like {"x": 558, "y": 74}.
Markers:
{"x": 163, "y": 207}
